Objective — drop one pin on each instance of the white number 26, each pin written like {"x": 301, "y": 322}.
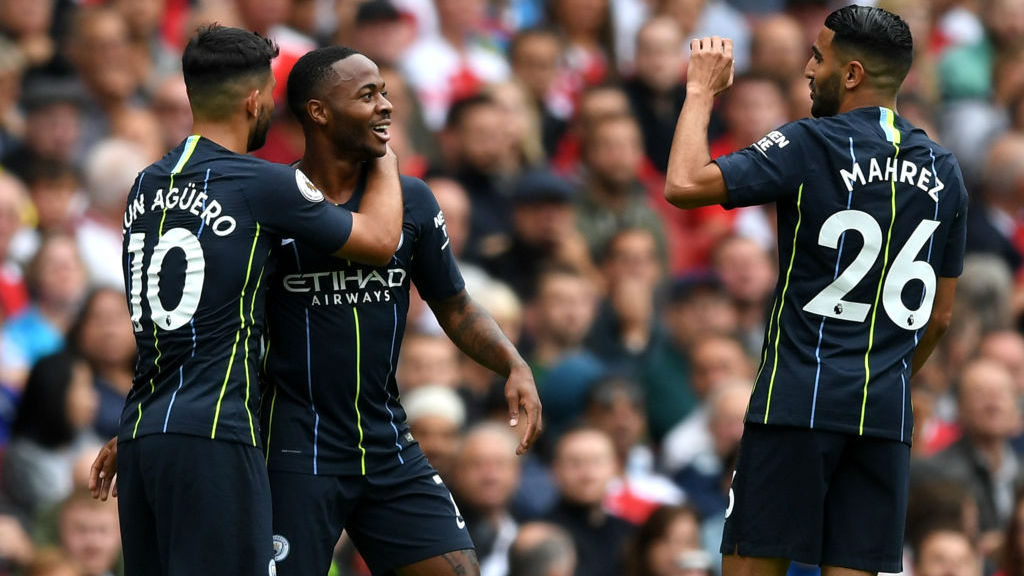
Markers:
{"x": 904, "y": 269}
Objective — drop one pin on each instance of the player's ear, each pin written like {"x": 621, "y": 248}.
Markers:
{"x": 853, "y": 74}
{"x": 317, "y": 111}
{"x": 252, "y": 103}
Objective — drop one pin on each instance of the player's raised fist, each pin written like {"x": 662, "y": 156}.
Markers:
{"x": 711, "y": 65}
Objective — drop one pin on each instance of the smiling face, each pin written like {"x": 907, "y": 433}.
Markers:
{"x": 824, "y": 71}
{"x": 357, "y": 111}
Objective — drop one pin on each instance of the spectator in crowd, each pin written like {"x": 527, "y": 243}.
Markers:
{"x": 454, "y": 63}
{"x": 170, "y": 104}
{"x": 747, "y": 271}
{"x": 27, "y": 23}
{"x": 946, "y": 552}
{"x": 12, "y": 122}
{"x": 436, "y": 416}
{"x": 559, "y": 318}
{"x": 983, "y": 459}
{"x": 777, "y": 49}
{"x": 713, "y": 360}
{"x": 542, "y": 549}
{"x": 52, "y": 562}
{"x": 595, "y": 102}
{"x": 89, "y": 533}
{"x": 613, "y": 198}
{"x": 16, "y": 547}
{"x": 993, "y": 225}
{"x": 56, "y": 281}
{"x": 524, "y": 147}
{"x": 1006, "y": 346}
{"x": 697, "y": 308}
{"x": 53, "y": 125}
{"x": 627, "y": 328}
{"x": 55, "y": 190}
{"x": 100, "y": 50}
{"x": 53, "y": 426}
{"x": 615, "y": 405}
{"x": 473, "y": 144}
{"x": 13, "y": 207}
{"x": 583, "y": 466}
{"x": 544, "y": 234}
{"x": 486, "y": 476}
{"x": 110, "y": 170}
{"x": 427, "y": 358}
{"x": 589, "y": 33}
{"x": 377, "y": 19}
{"x": 151, "y": 56}
{"x": 102, "y": 336}
{"x": 535, "y": 57}
{"x": 668, "y": 544}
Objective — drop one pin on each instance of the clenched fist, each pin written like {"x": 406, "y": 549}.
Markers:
{"x": 711, "y": 65}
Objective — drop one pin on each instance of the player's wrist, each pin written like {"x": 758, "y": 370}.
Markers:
{"x": 700, "y": 93}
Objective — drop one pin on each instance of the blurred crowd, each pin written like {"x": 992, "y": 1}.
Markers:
{"x": 544, "y": 129}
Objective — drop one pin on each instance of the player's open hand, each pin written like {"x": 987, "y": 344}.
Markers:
{"x": 711, "y": 65}
{"x": 102, "y": 481}
{"x": 521, "y": 394}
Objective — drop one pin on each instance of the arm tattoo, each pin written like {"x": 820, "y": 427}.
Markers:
{"x": 462, "y": 562}
{"x": 475, "y": 332}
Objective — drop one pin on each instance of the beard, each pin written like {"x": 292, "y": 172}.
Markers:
{"x": 258, "y": 136}
{"x": 826, "y": 97}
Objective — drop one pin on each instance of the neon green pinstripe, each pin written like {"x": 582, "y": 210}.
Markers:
{"x": 270, "y": 426}
{"x": 238, "y": 336}
{"x": 358, "y": 386}
{"x": 764, "y": 356}
{"x": 782, "y": 302}
{"x": 248, "y": 331}
{"x": 190, "y": 147}
{"x": 895, "y": 135}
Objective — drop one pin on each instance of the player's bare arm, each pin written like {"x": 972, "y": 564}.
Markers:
{"x": 377, "y": 226}
{"x": 692, "y": 179}
{"x": 102, "y": 473}
{"x": 476, "y": 333}
{"x": 942, "y": 314}
{"x": 456, "y": 563}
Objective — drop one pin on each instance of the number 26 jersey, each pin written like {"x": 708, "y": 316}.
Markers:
{"x": 871, "y": 213}
{"x": 198, "y": 229}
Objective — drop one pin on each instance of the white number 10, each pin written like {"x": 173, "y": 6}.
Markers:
{"x": 192, "y": 288}
{"x": 829, "y": 302}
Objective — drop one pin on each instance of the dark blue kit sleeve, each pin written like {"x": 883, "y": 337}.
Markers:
{"x": 434, "y": 270}
{"x": 287, "y": 203}
{"x": 769, "y": 169}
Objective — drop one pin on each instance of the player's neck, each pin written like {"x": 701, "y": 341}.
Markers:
{"x": 336, "y": 177}
{"x": 225, "y": 134}
{"x": 866, "y": 99}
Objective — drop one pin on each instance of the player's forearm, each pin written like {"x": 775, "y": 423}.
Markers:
{"x": 932, "y": 335}
{"x": 690, "y": 152}
{"x": 476, "y": 333}
{"x": 381, "y": 207}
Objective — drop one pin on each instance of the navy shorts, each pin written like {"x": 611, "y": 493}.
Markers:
{"x": 818, "y": 497}
{"x": 190, "y": 505}
{"x": 395, "y": 518}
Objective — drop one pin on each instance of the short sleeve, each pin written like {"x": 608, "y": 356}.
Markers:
{"x": 956, "y": 241}
{"x": 434, "y": 270}
{"x": 769, "y": 169}
{"x": 287, "y": 203}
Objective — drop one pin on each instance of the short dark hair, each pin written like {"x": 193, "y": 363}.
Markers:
{"x": 306, "y": 79}
{"x": 220, "y": 62}
{"x": 879, "y": 39}
{"x": 462, "y": 107}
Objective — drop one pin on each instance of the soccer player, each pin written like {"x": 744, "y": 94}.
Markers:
{"x": 871, "y": 228}
{"x": 198, "y": 229}
{"x": 337, "y": 444}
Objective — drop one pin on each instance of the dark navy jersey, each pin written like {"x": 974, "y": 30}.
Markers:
{"x": 330, "y": 400}
{"x": 871, "y": 213}
{"x": 199, "y": 226}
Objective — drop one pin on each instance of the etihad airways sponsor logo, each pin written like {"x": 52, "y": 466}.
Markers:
{"x": 346, "y": 286}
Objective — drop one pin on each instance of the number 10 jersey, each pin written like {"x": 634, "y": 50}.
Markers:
{"x": 198, "y": 228}
{"x": 871, "y": 213}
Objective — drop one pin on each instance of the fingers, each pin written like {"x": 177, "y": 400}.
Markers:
{"x": 534, "y": 424}
{"x": 712, "y": 44}
{"x": 512, "y": 397}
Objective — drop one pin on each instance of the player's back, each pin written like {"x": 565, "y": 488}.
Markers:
{"x": 198, "y": 228}
{"x": 870, "y": 215}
